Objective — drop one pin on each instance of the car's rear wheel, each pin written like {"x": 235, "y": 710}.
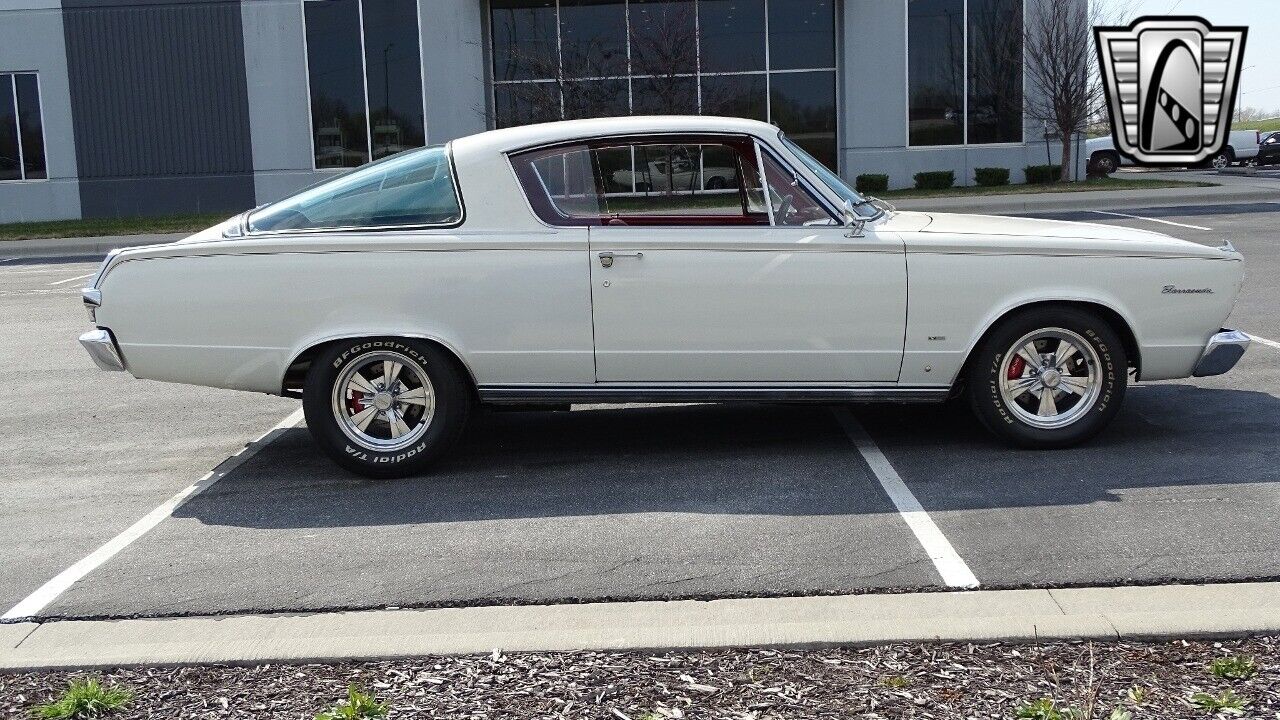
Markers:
{"x": 385, "y": 407}
{"x": 1223, "y": 159}
{"x": 1048, "y": 377}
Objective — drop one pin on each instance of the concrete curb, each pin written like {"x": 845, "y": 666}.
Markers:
{"x": 1174, "y": 611}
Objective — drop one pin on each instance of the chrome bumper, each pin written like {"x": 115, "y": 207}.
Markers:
{"x": 102, "y": 348}
{"x": 1221, "y": 353}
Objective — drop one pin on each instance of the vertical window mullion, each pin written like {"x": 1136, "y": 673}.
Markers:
{"x": 965, "y": 78}
{"x": 697, "y": 52}
{"x": 768, "y": 93}
{"x": 364, "y": 67}
{"x": 559, "y": 60}
{"x": 626, "y": 23}
{"x": 17, "y": 126}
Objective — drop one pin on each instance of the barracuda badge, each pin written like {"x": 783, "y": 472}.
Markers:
{"x": 1171, "y": 86}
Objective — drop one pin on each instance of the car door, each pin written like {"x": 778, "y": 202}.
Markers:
{"x": 715, "y": 285}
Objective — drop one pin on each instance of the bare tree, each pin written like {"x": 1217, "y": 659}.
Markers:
{"x": 1063, "y": 67}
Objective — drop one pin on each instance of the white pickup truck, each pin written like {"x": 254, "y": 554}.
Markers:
{"x": 1242, "y": 147}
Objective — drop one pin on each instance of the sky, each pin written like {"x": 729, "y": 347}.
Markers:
{"x": 1259, "y": 83}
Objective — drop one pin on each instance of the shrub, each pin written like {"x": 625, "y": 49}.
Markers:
{"x": 989, "y": 177}
{"x": 871, "y": 183}
{"x": 1225, "y": 703}
{"x": 85, "y": 699}
{"x": 1037, "y": 174}
{"x": 940, "y": 180}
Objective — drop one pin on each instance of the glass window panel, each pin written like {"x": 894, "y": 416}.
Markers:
{"x": 664, "y": 37}
{"x": 526, "y": 103}
{"x": 735, "y": 96}
{"x": 793, "y": 204}
{"x": 935, "y": 71}
{"x": 29, "y": 124}
{"x": 732, "y": 35}
{"x": 595, "y": 98}
{"x": 804, "y": 106}
{"x": 336, "y": 73}
{"x": 680, "y": 181}
{"x": 560, "y": 184}
{"x": 410, "y": 189}
{"x": 995, "y": 71}
{"x": 524, "y": 39}
{"x": 802, "y": 34}
{"x": 394, "y": 67}
{"x": 9, "y": 166}
{"x": 665, "y": 96}
{"x": 593, "y": 38}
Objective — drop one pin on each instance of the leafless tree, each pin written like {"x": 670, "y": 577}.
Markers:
{"x": 1063, "y": 68}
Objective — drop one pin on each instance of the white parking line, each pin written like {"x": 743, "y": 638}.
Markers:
{"x": 78, "y": 277}
{"x": 40, "y": 599}
{"x": 953, "y": 569}
{"x": 1264, "y": 341}
{"x": 1150, "y": 219}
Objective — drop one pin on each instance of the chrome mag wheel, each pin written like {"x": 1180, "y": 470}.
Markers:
{"x": 384, "y": 401}
{"x": 1050, "y": 378}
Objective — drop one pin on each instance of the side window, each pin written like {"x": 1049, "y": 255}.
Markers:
{"x": 411, "y": 189}
{"x": 702, "y": 181}
{"x": 793, "y": 203}
{"x": 561, "y": 185}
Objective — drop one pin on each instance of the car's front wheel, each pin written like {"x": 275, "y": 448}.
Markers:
{"x": 385, "y": 407}
{"x": 1048, "y": 377}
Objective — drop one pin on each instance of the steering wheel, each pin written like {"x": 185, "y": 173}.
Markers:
{"x": 787, "y": 206}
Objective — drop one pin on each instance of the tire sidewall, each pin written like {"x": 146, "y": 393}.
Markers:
{"x": 984, "y": 378}
{"x": 451, "y": 406}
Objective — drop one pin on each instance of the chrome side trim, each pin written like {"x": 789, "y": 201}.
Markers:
{"x": 102, "y": 348}
{"x": 1221, "y": 353}
{"x": 561, "y": 394}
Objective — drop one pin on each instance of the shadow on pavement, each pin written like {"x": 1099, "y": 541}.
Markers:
{"x": 768, "y": 460}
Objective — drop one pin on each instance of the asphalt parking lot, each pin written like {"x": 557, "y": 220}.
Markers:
{"x": 691, "y": 501}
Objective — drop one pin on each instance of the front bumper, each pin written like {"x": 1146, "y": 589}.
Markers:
{"x": 1221, "y": 353}
{"x": 102, "y": 348}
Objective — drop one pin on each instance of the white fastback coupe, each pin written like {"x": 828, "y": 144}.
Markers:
{"x": 507, "y": 268}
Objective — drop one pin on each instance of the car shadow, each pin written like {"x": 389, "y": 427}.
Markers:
{"x": 754, "y": 459}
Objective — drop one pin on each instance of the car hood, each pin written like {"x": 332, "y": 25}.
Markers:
{"x": 952, "y": 232}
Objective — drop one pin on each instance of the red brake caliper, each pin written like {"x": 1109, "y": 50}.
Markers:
{"x": 356, "y": 403}
{"x": 1016, "y": 367}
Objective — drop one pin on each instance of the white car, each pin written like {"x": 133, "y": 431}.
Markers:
{"x": 1104, "y": 159}
{"x": 495, "y": 270}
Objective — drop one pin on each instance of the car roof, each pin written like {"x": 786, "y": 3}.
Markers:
{"x": 525, "y": 136}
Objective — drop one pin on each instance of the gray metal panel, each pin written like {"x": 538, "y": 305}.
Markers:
{"x": 31, "y": 39}
{"x": 454, "y": 72}
{"x": 158, "y": 94}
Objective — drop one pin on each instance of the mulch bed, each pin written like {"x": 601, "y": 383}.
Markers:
{"x": 889, "y": 681}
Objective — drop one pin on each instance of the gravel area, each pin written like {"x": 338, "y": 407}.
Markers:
{"x": 1153, "y": 680}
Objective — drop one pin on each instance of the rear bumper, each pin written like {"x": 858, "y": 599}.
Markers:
{"x": 102, "y": 348}
{"x": 1221, "y": 353}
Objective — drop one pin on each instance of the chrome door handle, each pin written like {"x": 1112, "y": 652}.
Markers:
{"x": 606, "y": 258}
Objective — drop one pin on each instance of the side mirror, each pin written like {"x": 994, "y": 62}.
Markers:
{"x": 852, "y": 222}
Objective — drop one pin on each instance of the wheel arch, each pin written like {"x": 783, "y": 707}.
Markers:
{"x": 1110, "y": 315}
{"x": 296, "y": 371}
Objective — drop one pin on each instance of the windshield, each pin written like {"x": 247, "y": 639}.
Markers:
{"x": 832, "y": 180}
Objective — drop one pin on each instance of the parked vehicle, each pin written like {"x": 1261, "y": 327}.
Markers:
{"x": 1104, "y": 159}
{"x": 497, "y": 270}
{"x": 1269, "y": 150}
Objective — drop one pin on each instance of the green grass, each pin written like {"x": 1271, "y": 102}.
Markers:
{"x": 1047, "y": 709}
{"x": 1110, "y": 183}
{"x": 85, "y": 699}
{"x": 1261, "y": 125}
{"x": 109, "y": 226}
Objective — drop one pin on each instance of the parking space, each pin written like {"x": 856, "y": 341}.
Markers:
{"x": 689, "y": 501}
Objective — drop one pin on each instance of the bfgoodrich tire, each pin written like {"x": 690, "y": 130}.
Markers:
{"x": 385, "y": 407}
{"x": 1048, "y": 377}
